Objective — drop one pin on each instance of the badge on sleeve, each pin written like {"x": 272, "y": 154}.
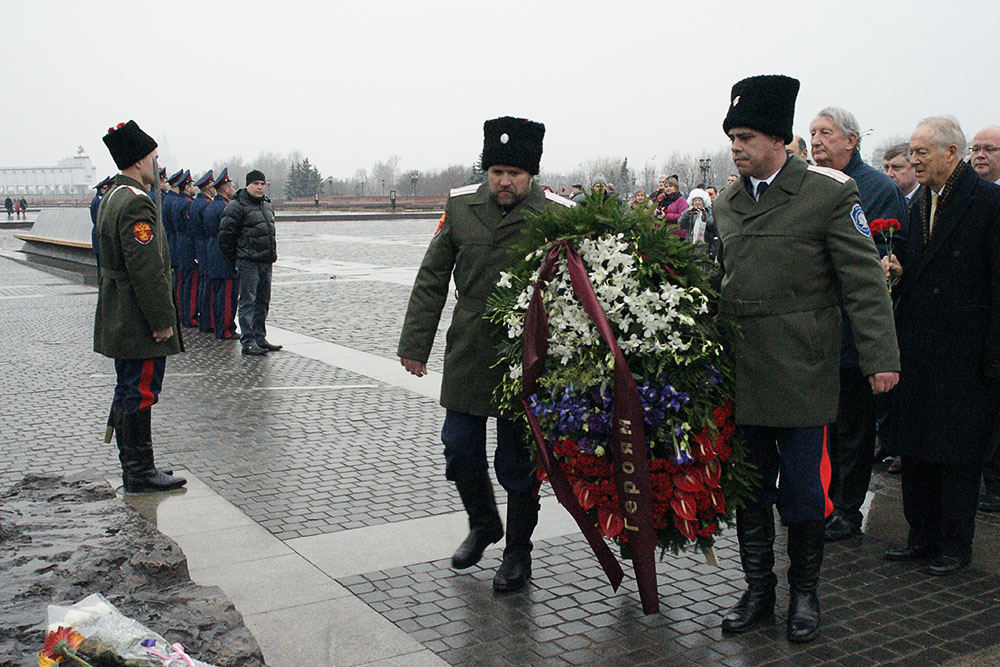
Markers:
{"x": 860, "y": 222}
{"x": 143, "y": 232}
{"x": 440, "y": 224}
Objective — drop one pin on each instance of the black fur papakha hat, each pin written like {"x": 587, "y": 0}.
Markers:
{"x": 514, "y": 142}
{"x": 128, "y": 144}
{"x": 765, "y": 103}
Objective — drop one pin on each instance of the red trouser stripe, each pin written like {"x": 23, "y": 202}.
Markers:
{"x": 144, "y": 389}
{"x": 193, "y": 313}
{"x": 825, "y": 473}
{"x": 229, "y": 309}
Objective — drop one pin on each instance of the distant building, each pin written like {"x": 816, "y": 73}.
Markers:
{"x": 71, "y": 176}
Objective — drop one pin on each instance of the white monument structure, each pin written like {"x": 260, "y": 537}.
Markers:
{"x": 74, "y": 176}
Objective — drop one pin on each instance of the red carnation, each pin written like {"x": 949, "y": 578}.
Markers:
{"x": 594, "y": 466}
{"x": 708, "y": 530}
{"x": 877, "y": 226}
{"x": 722, "y": 413}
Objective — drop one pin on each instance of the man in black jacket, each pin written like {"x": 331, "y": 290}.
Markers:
{"x": 246, "y": 236}
{"x": 948, "y": 318}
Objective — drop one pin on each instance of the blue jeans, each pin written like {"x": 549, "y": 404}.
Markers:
{"x": 254, "y": 300}
{"x": 800, "y": 454}
{"x": 464, "y": 438}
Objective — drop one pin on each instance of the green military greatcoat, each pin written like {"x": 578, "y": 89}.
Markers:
{"x": 787, "y": 259}
{"x": 135, "y": 296}
{"x": 474, "y": 243}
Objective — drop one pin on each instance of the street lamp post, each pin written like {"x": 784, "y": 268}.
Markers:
{"x": 705, "y": 165}
{"x": 413, "y": 183}
{"x": 383, "y": 187}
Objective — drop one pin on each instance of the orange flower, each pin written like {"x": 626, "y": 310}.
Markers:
{"x": 60, "y": 644}
{"x": 45, "y": 662}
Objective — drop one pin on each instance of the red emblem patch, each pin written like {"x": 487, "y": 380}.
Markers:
{"x": 440, "y": 225}
{"x": 143, "y": 232}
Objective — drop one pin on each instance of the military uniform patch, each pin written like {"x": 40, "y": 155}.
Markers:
{"x": 440, "y": 224}
{"x": 143, "y": 232}
{"x": 860, "y": 222}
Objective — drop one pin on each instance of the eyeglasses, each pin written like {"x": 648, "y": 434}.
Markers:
{"x": 979, "y": 148}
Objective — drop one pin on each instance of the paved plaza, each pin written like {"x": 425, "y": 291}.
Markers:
{"x": 317, "y": 499}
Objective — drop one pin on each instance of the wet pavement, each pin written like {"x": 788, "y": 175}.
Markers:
{"x": 318, "y": 502}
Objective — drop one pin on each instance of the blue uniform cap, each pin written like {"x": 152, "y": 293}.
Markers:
{"x": 205, "y": 179}
{"x": 222, "y": 179}
{"x": 163, "y": 172}
{"x": 175, "y": 177}
{"x": 107, "y": 180}
{"x": 185, "y": 177}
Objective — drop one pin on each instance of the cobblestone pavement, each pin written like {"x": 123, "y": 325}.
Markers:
{"x": 305, "y": 448}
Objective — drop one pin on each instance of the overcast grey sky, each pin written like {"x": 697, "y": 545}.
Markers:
{"x": 349, "y": 83}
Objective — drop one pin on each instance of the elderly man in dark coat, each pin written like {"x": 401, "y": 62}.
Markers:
{"x": 948, "y": 319}
{"x": 836, "y": 143}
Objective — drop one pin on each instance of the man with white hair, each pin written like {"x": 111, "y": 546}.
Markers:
{"x": 836, "y": 141}
{"x": 948, "y": 319}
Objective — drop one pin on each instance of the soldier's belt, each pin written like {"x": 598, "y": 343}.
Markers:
{"x": 791, "y": 304}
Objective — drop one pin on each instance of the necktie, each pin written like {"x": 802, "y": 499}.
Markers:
{"x": 934, "y": 203}
{"x": 761, "y": 187}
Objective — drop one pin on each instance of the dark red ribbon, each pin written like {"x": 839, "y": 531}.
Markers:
{"x": 629, "y": 449}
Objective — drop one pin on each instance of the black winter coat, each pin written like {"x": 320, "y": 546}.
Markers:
{"x": 246, "y": 230}
{"x": 948, "y": 319}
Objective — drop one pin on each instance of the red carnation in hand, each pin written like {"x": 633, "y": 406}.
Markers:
{"x": 877, "y": 226}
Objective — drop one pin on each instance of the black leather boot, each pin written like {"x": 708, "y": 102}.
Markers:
{"x": 805, "y": 553}
{"x": 485, "y": 526}
{"x": 141, "y": 475}
{"x": 115, "y": 422}
{"x": 755, "y": 531}
{"x": 522, "y": 517}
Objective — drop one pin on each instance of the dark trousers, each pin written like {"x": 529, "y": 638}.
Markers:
{"x": 883, "y": 424}
{"x": 939, "y": 503}
{"x": 187, "y": 297}
{"x": 224, "y": 303}
{"x": 205, "y": 311}
{"x": 852, "y": 444}
{"x": 800, "y": 455}
{"x": 139, "y": 383}
{"x": 254, "y": 299}
{"x": 464, "y": 438}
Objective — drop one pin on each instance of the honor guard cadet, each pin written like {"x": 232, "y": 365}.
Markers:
{"x": 187, "y": 261}
{"x": 480, "y": 225}
{"x": 197, "y": 227}
{"x": 95, "y": 243}
{"x": 794, "y": 244}
{"x": 222, "y": 277}
{"x": 136, "y": 322}
{"x": 167, "y": 216}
